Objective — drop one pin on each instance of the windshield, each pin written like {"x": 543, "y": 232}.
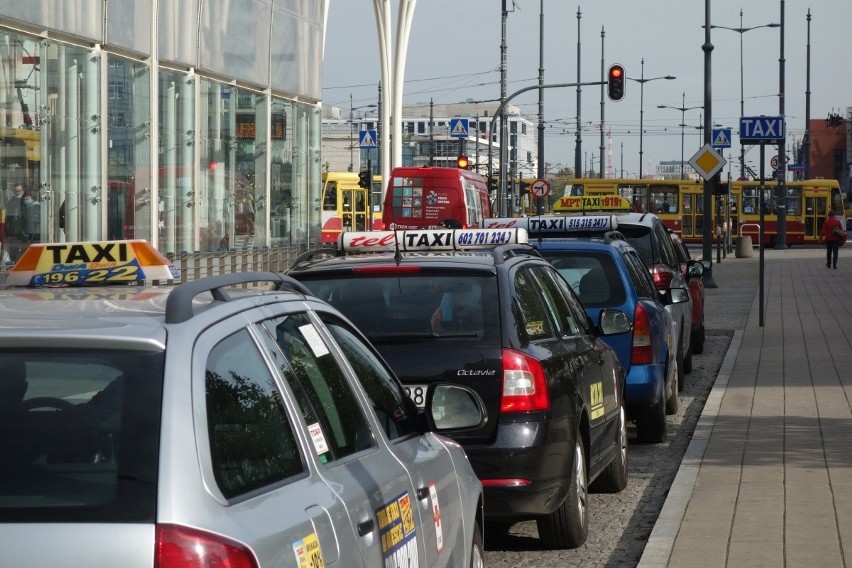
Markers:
{"x": 416, "y": 306}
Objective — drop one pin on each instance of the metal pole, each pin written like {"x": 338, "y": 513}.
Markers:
{"x": 501, "y": 192}
{"x": 351, "y": 135}
{"x": 603, "y": 78}
{"x": 781, "y": 237}
{"x": 539, "y": 202}
{"x": 641, "y": 113}
{"x": 682, "y": 133}
{"x": 806, "y": 144}
{"x": 578, "y": 144}
{"x": 760, "y": 229}
{"x": 742, "y": 98}
{"x": 707, "y": 248}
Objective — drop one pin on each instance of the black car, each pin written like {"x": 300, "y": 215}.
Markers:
{"x": 482, "y": 308}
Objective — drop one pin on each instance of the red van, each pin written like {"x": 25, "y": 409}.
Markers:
{"x": 429, "y": 197}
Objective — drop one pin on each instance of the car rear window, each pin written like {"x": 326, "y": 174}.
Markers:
{"x": 593, "y": 276}
{"x": 79, "y": 435}
{"x": 423, "y": 305}
{"x": 640, "y": 239}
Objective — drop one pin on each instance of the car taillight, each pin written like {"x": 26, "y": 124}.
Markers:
{"x": 524, "y": 384}
{"x": 661, "y": 275}
{"x": 642, "y": 352}
{"x": 184, "y": 547}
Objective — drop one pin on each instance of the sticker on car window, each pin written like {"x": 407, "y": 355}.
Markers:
{"x": 308, "y": 552}
{"x": 396, "y": 530}
{"x": 309, "y": 332}
{"x": 318, "y": 438}
{"x": 535, "y": 328}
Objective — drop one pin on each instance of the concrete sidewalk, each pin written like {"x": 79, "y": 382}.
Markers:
{"x": 767, "y": 478}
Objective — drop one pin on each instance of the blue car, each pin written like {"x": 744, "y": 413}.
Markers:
{"x": 607, "y": 273}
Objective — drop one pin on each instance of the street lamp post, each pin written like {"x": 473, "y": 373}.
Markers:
{"x": 682, "y": 108}
{"x": 741, "y": 30}
{"x": 642, "y": 80}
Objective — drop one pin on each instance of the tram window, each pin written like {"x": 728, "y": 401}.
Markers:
{"x": 347, "y": 201}
{"x": 329, "y": 202}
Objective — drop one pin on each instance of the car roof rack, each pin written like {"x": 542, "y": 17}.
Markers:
{"x": 321, "y": 252}
{"x": 179, "y": 303}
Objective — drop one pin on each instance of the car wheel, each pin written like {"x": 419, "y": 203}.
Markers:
{"x": 672, "y": 402}
{"x": 698, "y": 339}
{"x": 687, "y": 367}
{"x": 651, "y": 427}
{"x": 477, "y": 557}
{"x": 614, "y": 478}
{"x": 568, "y": 525}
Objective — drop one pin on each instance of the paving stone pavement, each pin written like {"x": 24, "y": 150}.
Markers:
{"x": 767, "y": 477}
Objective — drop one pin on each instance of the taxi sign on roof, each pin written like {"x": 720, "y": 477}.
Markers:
{"x": 429, "y": 240}
{"x": 552, "y": 225}
{"x": 576, "y": 203}
{"x": 91, "y": 264}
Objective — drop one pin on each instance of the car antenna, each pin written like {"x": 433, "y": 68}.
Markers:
{"x": 397, "y": 255}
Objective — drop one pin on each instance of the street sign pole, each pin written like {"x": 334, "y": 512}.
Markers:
{"x": 760, "y": 230}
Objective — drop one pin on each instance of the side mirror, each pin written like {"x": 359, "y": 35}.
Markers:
{"x": 614, "y": 322}
{"x": 695, "y": 269}
{"x": 453, "y": 407}
{"x": 673, "y": 296}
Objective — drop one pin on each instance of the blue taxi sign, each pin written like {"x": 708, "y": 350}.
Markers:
{"x": 94, "y": 263}
{"x": 761, "y": 128}
{"x": 428, "y": 240}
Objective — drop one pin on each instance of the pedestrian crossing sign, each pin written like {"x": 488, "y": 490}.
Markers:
{"x": 721, "y": 138}
{"x": 459, "y": 127}
{"x": 367, "y": 138}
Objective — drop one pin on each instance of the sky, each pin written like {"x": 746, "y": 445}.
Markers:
{"x": 454, "y": 55}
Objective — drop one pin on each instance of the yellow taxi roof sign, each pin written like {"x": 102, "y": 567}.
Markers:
{"x": 93, "y": 263}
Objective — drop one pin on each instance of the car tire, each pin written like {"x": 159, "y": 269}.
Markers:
{"x": 477, "y": 554}
{"x": 613, "y": 479}
{"x": 651, "y": 426}
{"x": 672, "y": 402}
{"x": 568, "y": 525}
{"x": 697, "y": 343}
{"x": 687, "y": 368}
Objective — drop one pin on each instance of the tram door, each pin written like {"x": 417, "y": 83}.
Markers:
{"x": 816, "y": 209}
{"x": 353, "y": 208}
{"x": 692, "y": 208}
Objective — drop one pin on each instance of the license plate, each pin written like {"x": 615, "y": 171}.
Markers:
{"x": 417, "y": 393}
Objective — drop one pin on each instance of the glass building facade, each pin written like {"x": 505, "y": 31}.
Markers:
{"x": 193, "y": 125}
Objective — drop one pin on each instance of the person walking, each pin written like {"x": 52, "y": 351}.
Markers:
{"x": 15, "y": 222}
{"x": 831, "y": 234}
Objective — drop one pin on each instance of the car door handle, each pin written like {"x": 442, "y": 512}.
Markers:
{"x": 366, "y": 527}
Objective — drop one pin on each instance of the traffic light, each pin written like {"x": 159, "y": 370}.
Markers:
{"x": 719, "y": 187}
{"x": 364, "y": 178}
{"x": 615, "y": 82}
{"x": 462, "y": 162}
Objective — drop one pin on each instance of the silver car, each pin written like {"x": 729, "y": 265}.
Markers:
{"x": 207, "y": 424}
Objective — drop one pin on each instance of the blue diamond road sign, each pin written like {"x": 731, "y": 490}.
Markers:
{"x": 761, "y": 128}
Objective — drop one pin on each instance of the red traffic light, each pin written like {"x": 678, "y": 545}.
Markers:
{"x": 462, "y": 162}
{"x": 615, "y": 82}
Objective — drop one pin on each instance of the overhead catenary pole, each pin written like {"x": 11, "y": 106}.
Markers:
{"x": 539, "y": 202}
{"x": 806, "y": 143}
{"x": 603, "y": 89}
{"x": 578, "y": 143}
{"x": 502, "y": 195}
{"x": 781, "y": 236}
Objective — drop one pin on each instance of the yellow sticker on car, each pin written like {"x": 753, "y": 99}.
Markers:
{"x": 308, "y": 552}
{"x": 596, "y": 400}
{"x": 397, "y": 532}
